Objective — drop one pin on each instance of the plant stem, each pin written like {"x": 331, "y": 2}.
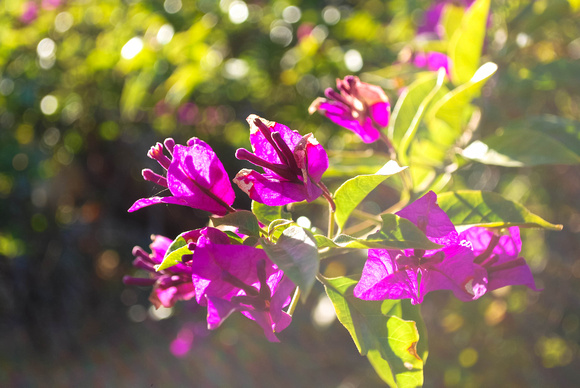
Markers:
{"x": 366, "y": 216}
{"x": 330, "y": 221}
{"x": 390, "y": 148}
{"x": 294, "y": 301}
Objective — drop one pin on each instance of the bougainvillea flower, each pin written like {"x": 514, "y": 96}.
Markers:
{"x": 433, "y": 61}
{"x": 195, "y": 177}
{"x": 412, "y": 273}
{"x": 30, "y": 12}
{"x": 293, "y": 165}
{"x": 431, "y": 23}
{"x": 169, "y": 285}
{"x": 499, "y": 255}
{"x": 231, "y": 278}
{"x": 358, "y": 106}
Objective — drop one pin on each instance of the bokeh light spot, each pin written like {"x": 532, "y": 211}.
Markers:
{"x": 24, "y": 134}
{"x": 51, "y": 136}
{"x": 331, "y": 15}
{"x": 137, "y": 313}
{"x": 495, "y": 312}
{"x": 452, "y": 322}
{"x": 468, "y": 357}
{"x": 281, "y": 35}
{"x": 353, "y": 60}
{"x": 160, "y": 313}
{"x": 238, "y": 12}
{"x": 323, "y": 313}
{"x": 304, "y": 222}
{"x": 291, "y": 14}
{"x": 46, "y": 48}
{"x": 63, "y": 22}
{"x": 165, "y": 34}
{"x": 172, "y": 6}
{"x": 132, "y": 48}
{"x": 20, "y": 162}
{"x": 109, "y": 130}
{"x": 107, "y": 264}
{"x": 49, "y": 105}
{"x": 236, "y": 68}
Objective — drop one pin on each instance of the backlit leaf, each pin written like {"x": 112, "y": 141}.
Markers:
{"x": 519, "y": 148}
{"x": 352, "y": 192}
{"x": 296, "y": 254}
{"x": 388, "y": 340}
{"x": 483, "y": 208}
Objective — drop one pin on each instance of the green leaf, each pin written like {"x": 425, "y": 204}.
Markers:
{"x": 244, "y": 220}
{"x": 389, "y": 341}
{"x": 395, "y": 233}
{"x": 401, "y": 234}
{"x": 347, "y": 163}
{"x": 173, "y": 255}
{"x": 562, "y": 129}
{"x": 467, "y": 42}
{"x": 483, "y": 208}
{"x": 519, "y": 148}
{"x": 407, "y": 107}
{"x": 266, "y": 214}
{"x": 296, "y": 254}
{"x": 451, "y": 19}
{"x": 409, "y": 132}
{"x": 277, "y": 224}
{"x": 410, "y": 312}
{"x": 350, "y": 194}
{"x": 450, "y": 108}
{"x": 234, "y": 237}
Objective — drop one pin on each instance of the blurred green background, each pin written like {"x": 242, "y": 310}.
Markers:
{"x": 86, "y": 87}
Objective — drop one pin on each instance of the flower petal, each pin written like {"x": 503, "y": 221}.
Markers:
{"x": 144, "y": 202}
{"x": 429, "y": 217}
{"x": 381, "y": 112}
{"x": 508, "y": 245}
{"x": 381, "y": 280}
{"x": 271, "y": 190}
{"x": 218, "y": 310}
{"x": 507, "y": 268}
{"x": 194, "y": 166}
{"x": 168, "y": 296}
{"x": 262, "y": 147}
{"x": 456, "y": 273}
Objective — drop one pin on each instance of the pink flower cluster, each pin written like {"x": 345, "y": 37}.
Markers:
{"x": 223, "y": 276}
{"x": 226, "y": 276}
{"x": 469, "y": 264}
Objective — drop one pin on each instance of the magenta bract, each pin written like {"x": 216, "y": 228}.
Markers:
{"x": 293, "y": 164}
{"x": 169, "y": 285}
{"x": 229, "y": 278}
{"x": 358, "y": 106}
{"x": 431, "y": 23}
{"x": 195, "y": 177}
{"x": 433, "y": 61}
{"x": 412, "y": 273}
{"x": 499, "y": 256}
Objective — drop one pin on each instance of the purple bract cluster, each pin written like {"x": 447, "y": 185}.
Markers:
{"x": 226, "y": 276}
{"x": 469, "y": 264}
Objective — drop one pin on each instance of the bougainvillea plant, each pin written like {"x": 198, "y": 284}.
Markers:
{"x": 261, "y": 263}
